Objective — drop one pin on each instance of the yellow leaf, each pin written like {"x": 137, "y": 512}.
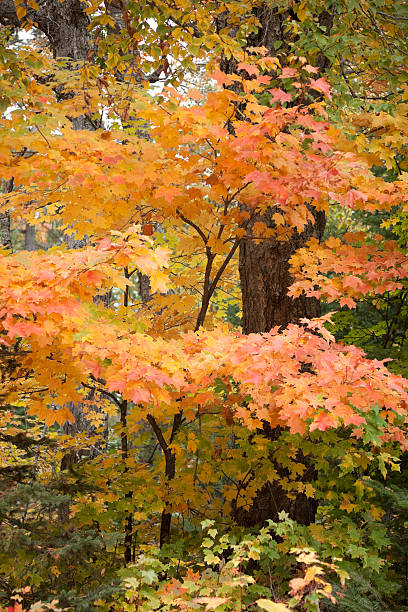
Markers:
{"x": 302, "y": 12}
{"x": 21, "y": 12}
{"x": 309, "y": 490}
{"x": 279, "y": 219}
{"x": 254, "y": 554}
{"x": 212, "y": 602}
{"x": 271, "y": 606}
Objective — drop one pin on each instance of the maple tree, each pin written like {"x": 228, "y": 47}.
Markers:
{"x": 179, "y": 417}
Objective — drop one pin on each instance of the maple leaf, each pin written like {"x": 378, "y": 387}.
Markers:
{"x": 278, "y": 95}
{"x": 310, "y": 69}
{"x": 288, "y": 72}
{"x": 323, "y": 421}
{"x": 168, "y": 192}
{"x": 347, "y": 301}
{"x": 251, "y": 69}
{"x": 221, "y": 78}
{"x": 321, "y": 85}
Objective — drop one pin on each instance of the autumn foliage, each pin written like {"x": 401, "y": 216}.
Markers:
{"x": 138, "y": 423}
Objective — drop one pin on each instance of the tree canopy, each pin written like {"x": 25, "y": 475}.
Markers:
{"x": 203, "y": 305}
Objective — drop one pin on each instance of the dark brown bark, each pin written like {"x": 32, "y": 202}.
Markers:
{"x": 264, "y": 265}
{"x": 265, "y": 278}
{"x": 125, "y": 454}
{"x": 128, "y": 540}
{"x": 170, "y": 469}
{"x": 80, "y": 425}
{"x": 271, "y": 498}
{"x": 265, "y": 281}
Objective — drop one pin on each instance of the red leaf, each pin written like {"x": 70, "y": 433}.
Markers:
{"x": 280, "y": 95}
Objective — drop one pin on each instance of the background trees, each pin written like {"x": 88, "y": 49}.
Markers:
{"x": 170, "y": 200}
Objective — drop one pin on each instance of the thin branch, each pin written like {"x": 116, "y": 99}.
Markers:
{"x": 43, "y": 135}
{"x": 158, "y": 432}
{"x": 194, "y": 225}
{"x": 112, "y": 396}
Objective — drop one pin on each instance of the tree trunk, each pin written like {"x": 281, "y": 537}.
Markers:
{"x": 264, "y": 264}
{"x": 144, "y": 288}
{"x": 29, "y": 238}
{"x": 271, "y": 498}
{"x": 5, "y": 227}
{"x": 265, "y": 280}
{"x": 64, "y": 23}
